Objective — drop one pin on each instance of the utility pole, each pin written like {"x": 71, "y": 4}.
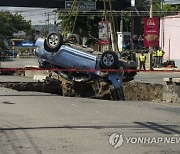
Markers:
{"x": 151, "y": 47}
{"x": 162, "y": 3}
{"x": 107, "y": 23}
{"x": 151, "y": 9}
{"x": 47, "y": 21}
{"x": 55, "y": 20}
{"x": 112, "y": 28}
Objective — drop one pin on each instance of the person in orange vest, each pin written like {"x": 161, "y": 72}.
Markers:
{"x": 142, "y": 61}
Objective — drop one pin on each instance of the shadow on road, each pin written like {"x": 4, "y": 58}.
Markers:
{"x": 165, "y": 129}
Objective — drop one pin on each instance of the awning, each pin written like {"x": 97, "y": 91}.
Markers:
{"x": 103, "y": 42}
{"x": 26, "y": 44}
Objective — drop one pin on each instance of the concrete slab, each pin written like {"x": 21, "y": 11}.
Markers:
{"x": 167, "y": 79}
{"x": 176, "y": 80}
{"x": 31, "y": 66}
{"x": 167, "y": 69}
{"x": 32, "y": 73}
{"x": 40, "y": 78}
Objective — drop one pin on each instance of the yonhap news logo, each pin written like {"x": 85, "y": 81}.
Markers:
{"x": 116, "y": 140}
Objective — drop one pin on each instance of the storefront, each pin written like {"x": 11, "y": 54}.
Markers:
{"x": 25, "y": 49}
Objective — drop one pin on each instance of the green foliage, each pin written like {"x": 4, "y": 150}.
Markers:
{"x": 2, "y": 45}
{"x": 10, "y": 23}
{"x": 82, "y": 25}
{"x": 166, "y": 9}
{"x": 157, "y": 6}
{"x": 126, "y": 17}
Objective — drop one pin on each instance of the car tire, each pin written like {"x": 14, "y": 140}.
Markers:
{"x": 53, "y": 42}
{"x": 128, "y": 55}
{"x": 73, "y": 38}
{"x": 109, "y": 60}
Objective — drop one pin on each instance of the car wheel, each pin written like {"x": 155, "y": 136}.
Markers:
{"x": 53, "y": 42}
{"x": 73, "y": 38}
{"x": 128, "y": 55}
{"x": 109, "y": 59}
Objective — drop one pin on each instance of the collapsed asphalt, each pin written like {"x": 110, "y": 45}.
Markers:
{"x": 99, "y": 89}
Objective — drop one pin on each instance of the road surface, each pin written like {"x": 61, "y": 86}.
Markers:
{"x": 38, "y": 123}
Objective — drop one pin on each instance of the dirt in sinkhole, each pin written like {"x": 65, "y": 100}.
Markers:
{"x": 93, "y": 89}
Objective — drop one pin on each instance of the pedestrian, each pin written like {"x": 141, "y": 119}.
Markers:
{"x": 142, "y": 61}
{"x": 160, "y": 54}
{"x": 135, "y": 42}
{"x": 124, "y": 46}
{"x": 154, "y": 56}
{"x": 128, "y": 46}
{"x": 140, "y": 42}
{"x": 2, "y": 56}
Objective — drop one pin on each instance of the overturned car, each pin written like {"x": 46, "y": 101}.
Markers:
{"x": 79, "y": 64}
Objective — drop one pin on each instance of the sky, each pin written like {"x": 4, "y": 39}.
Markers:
{"x": 38, "y": 16}
{"x": 172, "y": 1}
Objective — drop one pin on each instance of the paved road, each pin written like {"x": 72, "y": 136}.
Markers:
{"x": 38, "y": 123}
{"x": 18, "y": 62}
{"x": 155, "y": 77}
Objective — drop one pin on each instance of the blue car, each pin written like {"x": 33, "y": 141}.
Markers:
{"x": 54, "y": 51}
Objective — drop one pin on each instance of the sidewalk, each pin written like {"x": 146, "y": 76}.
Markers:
{"x": 166, "y": 69}
{"x": 156, "y": 76}
{"x": 12, "y": 78}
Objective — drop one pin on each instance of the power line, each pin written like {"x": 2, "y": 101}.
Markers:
{"x": 124, "y": 13}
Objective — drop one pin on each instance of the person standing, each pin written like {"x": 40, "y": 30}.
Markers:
{"x": 160, "y": 54}
{"x": 135, "y": 42}
{"x": 142, "y": 60}
{"x": 154, "y": 55}
{"x": 124, "y": 46}
{"x": 140, "y": 42}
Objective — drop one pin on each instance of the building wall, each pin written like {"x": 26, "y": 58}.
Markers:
{"x": 170, "y": 37}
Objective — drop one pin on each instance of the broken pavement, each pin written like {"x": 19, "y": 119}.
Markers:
{"x": 168, "y": 91}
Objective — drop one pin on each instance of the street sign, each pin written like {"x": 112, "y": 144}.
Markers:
{"x": 133, "y": 3}
{"x": 82, "y": 5}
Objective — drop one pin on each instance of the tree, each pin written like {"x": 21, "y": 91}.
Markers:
{"x": 11, "y": 23}
{"x": 83, "y": 25}
{"x": 2, "y": 45}
{"x": 159, "y": 6}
